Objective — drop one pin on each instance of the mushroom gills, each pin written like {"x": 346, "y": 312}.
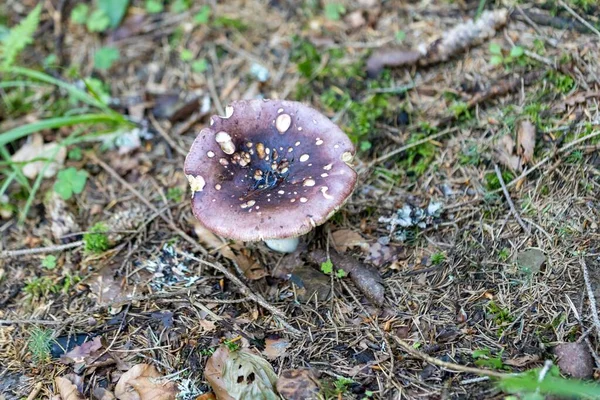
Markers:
{"x": 287, "y": 245}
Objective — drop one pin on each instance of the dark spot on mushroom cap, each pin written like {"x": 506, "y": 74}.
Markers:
{"x": 289, "y": 188}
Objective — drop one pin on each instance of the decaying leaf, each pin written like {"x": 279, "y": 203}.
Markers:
{"x": 82, "y": 353}
{"x": 459, "y": 38}
{"x": 144, "y": 382}
{"x": 67, "y": 389}
{"x": 344, "y": 239}
{"x": 240, "y": 375}
{"x": 103, "y": 394}
{"x": 275, "y": 348}
{"x": 62, "y": 221}
{"x": 366, "y": 279}
{"x": 574, "y": 99}
{"x": 107, "y": 289}
{"x": 523, "y": 360}
{"x": 34, "y": 149}
{"x": 526, "y": 140}
{"x": 298, "y": 384}
{"x": 574, "y": 359}
{"x": 252, "y": 268}
{"x": 505, "y": 153}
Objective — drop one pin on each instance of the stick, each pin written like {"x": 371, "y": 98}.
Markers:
{"x": 579, "y": 18}
{"x": 40, "y": 250}
{"x": 590, "y": 293}
{"x": 509, "y": 200}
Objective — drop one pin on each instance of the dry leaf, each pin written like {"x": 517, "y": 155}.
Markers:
{"x": 143, "y": 382}
{"x": 81, "y": 353}
{"x": 355, "y": 19}
{"x": 67, "y": 389}
{"x": 35, "y": 148}
{"x": 240, "y": 375}
{"x": 343, "y": 239}
{"x": 523, "y": 360}
{"x": 298, "y": 384}
{"x": 275, "y": 348}
{"x": 526, "y": 140}
{"x": 504, "y": 152}
{"x": 252, "y": 268}
{"x": 107, "y": 289}
{"x": 103, "y": 394}
{"x": 62, "y": 220}
{"x": 207, "y": 396}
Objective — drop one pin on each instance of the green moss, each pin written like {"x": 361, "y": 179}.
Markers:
{"x": 564, "y": 83}
{"x": 493, "y": 183}
{"x": 96, "y": 240}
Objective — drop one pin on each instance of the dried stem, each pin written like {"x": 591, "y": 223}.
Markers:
{"x": 40, "y": 250}
{"x": 509, "y": 200}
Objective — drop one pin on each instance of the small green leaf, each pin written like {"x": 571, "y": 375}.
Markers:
{"x": 203, "y": 15}
{"x": 517, "y": 51}
{"x": 114, "y": 9}
{"x": 79, "y": 13}
{"x": 340, "y": 273}
{"x": 334, "y": 11}
{"x": 495, "y": 49}
{"x": 327, "y": 267}
{"x": 75, "y": 154}
{"x": 70, "y": 181}
{"x": 98, "y": 21}
{"x": 200, "y": 66}
{"x": 496, "y": 60}
{"x": 400, "y": 36}
{"x": 154, "y": 6}
{"x": 105, "y": 57}
{"x": 481, "y": 353}
{"x": 49, "y": 262}
{"x": 180, "y": 6}
{"x": 186, "y": 55}
{"x": 365, "y": 145}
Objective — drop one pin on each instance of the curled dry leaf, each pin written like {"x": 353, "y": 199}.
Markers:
{"x": 526, "y": 140}
{"x": 35, "y": 148}
{"x": 83, "y": 352}
{"x": 144, "y": 382}
{"x": 366, "y": 279}
{"x": 298, "y": 384}
{"x": 505, "y": 153}
{"x": 344, "y": 239}
{"x": 459, "y": 38}
{"x": 251, "y": 268}
{"x": 240, "y": 375}
{"x": 67, "y": 389}
{"x": 275, "y": 347}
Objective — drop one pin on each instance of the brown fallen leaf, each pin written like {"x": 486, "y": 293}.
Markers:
{"x": 108, "y": 290}
{"x": 275, "y": 347}
{"x": 35, "y": 148}
{"x": 103, "y": 394}
{"x": 144, "y": 382}
{"x": 251, "y": 268}
{"x": 575, "y": 360}
{"x": 62, "y": 221}
{"x": 366, "y": 279}
{"x": 240, "y": 374}
{"x": 523, "y": 360}
{"x": 298, "y": 384}
{"x": 574, "y": 99}
{"x": 505, "y": 153}
{"x": 459, "y": 38}
{"x": 344, "y": 239}
{"x": 67, "y": 389}
{"x": 82, "y": 353}
{"x": 526, "y": 141}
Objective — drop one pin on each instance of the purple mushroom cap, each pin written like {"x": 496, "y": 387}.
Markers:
{"x": 269, "y": 169}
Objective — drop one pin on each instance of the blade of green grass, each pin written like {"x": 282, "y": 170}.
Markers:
{"x": 50, "y": 123}
{"x": 11, "y": 84}
{"x": 37, "y": 183}
{"x": 7, "y": 182}
{"x": 22, "y": 179}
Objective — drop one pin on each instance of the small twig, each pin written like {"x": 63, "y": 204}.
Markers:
{"x": 509, "y": 200}
{"x": 444, "y": 364}
{"x": 40, "y": 250}
{"x": 590, "y": 293}
{"x": 35, "y": 391}
{"x": 166, "y": 136}
{"x": 247, "y": 292}
{"x": 579, "y": 18}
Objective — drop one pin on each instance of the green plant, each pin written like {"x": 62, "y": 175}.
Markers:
{"x": 334, "y": 11}
{"x": 79, "y": 13}
{"x": 232, "y": 345}
{"x": 178, "y": 6}
{"x": 340, "y": 273}
{"x": 209, "y": 351}
{"x": 49, "y": 262}
{"x": 438, "y": 258}
{"x": 175, "y": 194}
{"x": 154, "y": 6}
{"x": 493, "y": 183}
{"x": 342, "y": 384}
{"x": 203, "y": 15}
{"x": 564, "y": 83}
{"x": 98, "y": 21}
{"x": 114, "y": 9}
{"x": 105, "y": 57}
{"x": 39, "y": 344}
{"x": 498, "y": 314}
{"x": 200, "y": 66}
{"x": 40, "y": 287}
{"x": 504, "y": 254}
{"x": 70, "y": 181}
{"x": 484, "y": 358}
{"x": 516, "y": 54}
{"x": 327, "y": 267}
{"x": 96, "y": 240}
{"x": 19, "y": 37}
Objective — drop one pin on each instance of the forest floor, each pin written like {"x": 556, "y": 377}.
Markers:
{"x": 500, "y": 132}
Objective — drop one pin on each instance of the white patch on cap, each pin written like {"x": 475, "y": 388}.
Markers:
{"x": 336, "y": 146}
{"x": 308, "y": 182}
{"x": 324, "y": 190}
{"x": 303, "y": 199}
{"x": 196, "y": 183}
{"x": 292, "y": 200}
{"x": 328, "y": 167}
{"x": 280, "y": 111}
{"x": 299, "y": 128}
{"x": 210, "y": 154}
{"x": 304, "y": 157}
{"x": 346, "y": 157}
{"x": 283, "y": 123}
{"x": 319, "y": 142}
{"x": 290, "y": 149}
{"x": 223, "y": 161}
{"x": 212, "y": 121}
{"x": 324, "y": 175}
{"x": 228, "y": 112}
{"x": 225, "y": 142}
{"x": 281, "y": 192}
{"x": 297, "y": 143}
{"x": 284, "y": 170}
{"x": 247, "y": 204}
{"x": 260, "y": 150}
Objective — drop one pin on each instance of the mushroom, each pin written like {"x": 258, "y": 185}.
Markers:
{"x": 269, "y": 170}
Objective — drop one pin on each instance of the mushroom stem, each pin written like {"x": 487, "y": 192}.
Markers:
{"x": 288, "y": 245}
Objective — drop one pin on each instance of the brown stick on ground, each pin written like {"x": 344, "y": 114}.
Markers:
{"x": 367, "y": 280}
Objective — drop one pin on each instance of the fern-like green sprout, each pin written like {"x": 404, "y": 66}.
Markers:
{"x": 19, "y": 37}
